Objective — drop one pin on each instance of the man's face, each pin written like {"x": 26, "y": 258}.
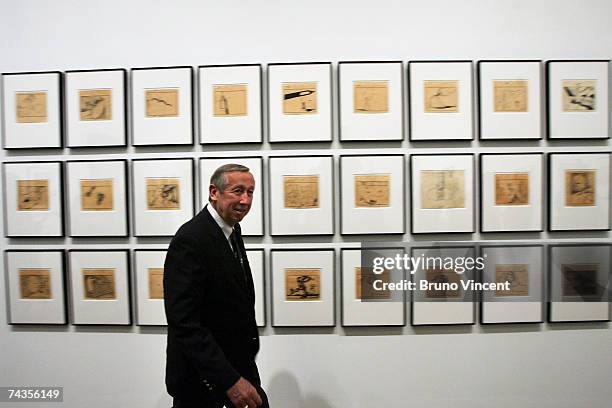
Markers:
{"x": 234, "y": 202}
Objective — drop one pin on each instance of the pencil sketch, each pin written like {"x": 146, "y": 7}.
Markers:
{"x": 230, "y": 100}
{"x": 163, "y": 193}
{"x": 579, "y": 95}
{"x": 370, "y": 96}
{"x": 511, "y": 188}
{"x": 364, "y": 284}
{"x": 517, "y": 276}
{"x": 441, "y": 96}
{"x": 99, "y": 284}
{"x": 299, "y": 98}
{"x": 162, "y": 103}
{"x": 32, "y": 195}
{"x": 156, "y": 283}
{"x": 510, "y": 96}
{"x": 35, "y": 283}
{"x": 580, "y": 280}
{"x": 95, "y": 104}
{"x": 302, "y": 284}
{"x": 442, "y": 189}
{"x": 579, "y": 188}
{"x": 372, "y": 190}
{"x": 31, "y": 107}
{"x": 96, "y": 194}
{"x": 442, "y": 279}
{"x": 301, "y": 191}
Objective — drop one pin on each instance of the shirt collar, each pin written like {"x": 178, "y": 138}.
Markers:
{"x": 227, "y": 230}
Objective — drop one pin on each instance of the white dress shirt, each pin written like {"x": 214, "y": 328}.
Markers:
{"x": 227, "y": 230}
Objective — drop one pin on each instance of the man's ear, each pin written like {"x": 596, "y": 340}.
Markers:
{"x": 213, "y": 192}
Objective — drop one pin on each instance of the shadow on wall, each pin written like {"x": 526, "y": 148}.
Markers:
{"x": 284, "y": 392}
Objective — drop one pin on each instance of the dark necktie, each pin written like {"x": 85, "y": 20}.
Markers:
{"x": 237, "y": 254}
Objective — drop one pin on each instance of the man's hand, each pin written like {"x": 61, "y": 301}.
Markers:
{"x": 243, "y": 395}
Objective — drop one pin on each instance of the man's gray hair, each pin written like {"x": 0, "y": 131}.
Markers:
{"x": 219, "y": 178}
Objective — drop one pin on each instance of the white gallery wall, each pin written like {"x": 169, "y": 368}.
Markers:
{"x": 541, "y": 365}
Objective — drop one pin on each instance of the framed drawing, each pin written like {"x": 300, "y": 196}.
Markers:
{"x": 443, "y": 298}
{"x": 96, "y": 108}
{"x": 230, "y": 103}
{"x": 33, "y": 199}
{"x": 510, "y": 99}
{"x": 301, "y": 190}
{"x": 300, "y": 102}
{"x": 522, "y": 267}
{"x": 256, "y": 262}
{"x": 579, "y": 191}
{"x": 365, "y": 302}
{"x": 302, "y": 287}
{"x": 440, "y": 100}
{"x": 163, "y": 195}
{"x": 100, "y": 287}
{"x": 35, "y": 287}
{"x": 252, "y": 224}
{"x": 579, "y": 282}
{"x": 97, "y": 198}
{"x": 162, "y": 106}
{"x": 372, "y": 194}
{"x": 578, "y": 99}
{"x": 511, "y": 197}
{"x": 32, "y": 104}
{"x": 442, "y": 198}
{"x": 149, "y": 267}
{"x": 371, "y": 100}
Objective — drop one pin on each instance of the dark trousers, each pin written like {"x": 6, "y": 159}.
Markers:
{"x": 222, "y": 401}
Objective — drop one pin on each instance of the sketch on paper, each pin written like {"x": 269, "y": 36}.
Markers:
{"x": 301, "y": 191}
{"x": 441, "y": 96}
{"x": 96, "y": 194}
{"x": 370, "y": 96}
{"x": 579, "y": 95}
{"x": 32, "y": 195}
{"x": 510, "y": 96}
{"x": 230, "y": 100}
{"x": 442, "y": 189}
{"x": 162, "y": 103}
{"x": 511, "y": 188}
{"x": 99, "y": 284}
{"x": 299, "y": 98}
{"x": 580, "y": 280}
{"x": 163, "y": 193}
{"x": 372, "y": 190}
{"x": 35, "y": 283}
{"x": 31, "y": 107}
{"x": 517, "y": 276}
{"x": 302, "y": 284}
{"x": 364, "y": 284}
{"x": 95, "y": 104}
{"x": 156, "y": 283}
{"x": 579, "y": 188}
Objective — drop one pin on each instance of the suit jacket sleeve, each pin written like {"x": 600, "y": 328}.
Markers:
{"x": 183, "y": 278}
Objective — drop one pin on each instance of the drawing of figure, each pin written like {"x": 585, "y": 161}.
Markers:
{"x": 580, "y": 188}
{"x": 35, "y": 286}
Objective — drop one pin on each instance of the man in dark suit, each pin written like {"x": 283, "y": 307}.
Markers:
{"x": 209, "y": 300}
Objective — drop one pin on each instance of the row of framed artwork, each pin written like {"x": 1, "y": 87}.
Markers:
{"x": 92, "y": 106}
{"x": 372, "y": 194}
{"x": 98, "y": 286}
